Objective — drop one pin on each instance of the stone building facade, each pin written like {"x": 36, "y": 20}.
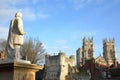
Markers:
{"x": 109, "y": 51}
{"x": 59, "y": 67}
{"x": 100, "y": 60}
{"x": 56, "y": 67}
{"x": 86, "y": 52}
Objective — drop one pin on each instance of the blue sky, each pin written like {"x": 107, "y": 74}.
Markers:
{"x": 61, "y": 24}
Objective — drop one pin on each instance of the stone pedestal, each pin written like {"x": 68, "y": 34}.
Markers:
{"x": 18, "y": 71}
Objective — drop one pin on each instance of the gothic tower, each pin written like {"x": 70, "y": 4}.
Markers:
{"x": 86, "y": 52}
{"x": 79, "y": 57}
{"x": 88, "y": 48}
{"x": 109, "y": 51}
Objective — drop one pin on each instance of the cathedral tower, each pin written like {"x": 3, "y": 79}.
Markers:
{"x": 88, "y": 48}
{"x": 86, "y": 52}
{"x": 109, "y": 51}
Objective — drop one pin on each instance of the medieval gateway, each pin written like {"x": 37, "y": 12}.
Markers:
{"x": 87, "y": 67}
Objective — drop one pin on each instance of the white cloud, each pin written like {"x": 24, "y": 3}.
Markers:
{"x": 29, "y": 14}
{"x": 35, "y": 1}
{"x": 7, "y": 13}
{"x": 3, "y": 32}
{"x": 76, "y": 35}
{"x": 8, "y": 8}
{"x": 88, "y": 34}
{"x": 77, "y": 4}
{"x": 42, "y": 15}
{"x": 60, "y": 45}
{"x": 55, "y": 49}
{"x": 61, "y": 42}
{"x": 11, "y": 2}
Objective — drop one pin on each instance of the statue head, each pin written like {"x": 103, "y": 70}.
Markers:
{"x": 18, "y": 14}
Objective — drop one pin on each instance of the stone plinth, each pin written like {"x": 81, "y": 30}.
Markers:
{"x": 18, "y": 71}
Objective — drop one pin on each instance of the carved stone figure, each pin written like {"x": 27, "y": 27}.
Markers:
{"x": 15, "y": 37}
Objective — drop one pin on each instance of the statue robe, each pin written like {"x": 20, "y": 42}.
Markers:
{"x": 15, "y": 37}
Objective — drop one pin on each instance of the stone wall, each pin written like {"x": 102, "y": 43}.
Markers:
{"x": 56, "y": 67}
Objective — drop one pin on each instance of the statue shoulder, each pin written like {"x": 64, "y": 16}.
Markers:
{"x": 11, "y": 23}
{"x": 19, "y": 20}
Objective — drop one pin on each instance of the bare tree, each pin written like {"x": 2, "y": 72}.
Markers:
{"x": 3, "y": 43}
{"x": 34, "y": 50}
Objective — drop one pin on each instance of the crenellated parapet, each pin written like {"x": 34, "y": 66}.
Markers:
{"x": 57, "y": 66}
{"x": 109, "y": 51}
{"x": 109, "y": 41}
{"x": 86, "y": 52}
{"x": 88, "y": 40}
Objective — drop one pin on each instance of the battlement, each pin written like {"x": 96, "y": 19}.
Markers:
{"x": 88, "y": 40}
{"x": 59, "y": 59}
{"x": 57, "y": 64}
{"x": 109, "y": 41}
{"x": 87, "y": 51}
{"x": 109, "y": 51}
{"x": 72, "y": 57}
{"x": 87, "y": 44}
{"x": 62, "y": 54}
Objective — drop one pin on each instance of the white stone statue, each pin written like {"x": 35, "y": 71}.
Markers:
{"x": 15, "y": 37}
